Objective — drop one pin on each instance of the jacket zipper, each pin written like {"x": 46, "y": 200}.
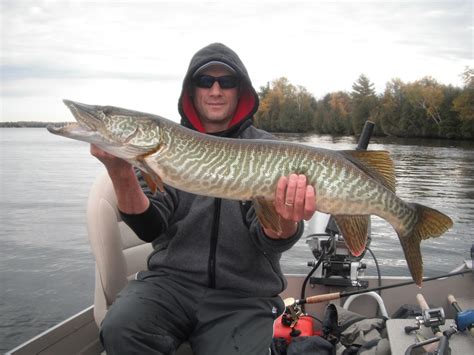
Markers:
{"x": 214, "y": 235}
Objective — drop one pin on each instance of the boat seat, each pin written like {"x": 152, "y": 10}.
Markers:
{"x": 119, "y": 254}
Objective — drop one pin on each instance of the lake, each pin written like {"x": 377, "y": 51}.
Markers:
{"x": 46, "y": 267}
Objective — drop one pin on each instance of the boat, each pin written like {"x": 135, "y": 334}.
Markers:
{"x": 119, "y": 254}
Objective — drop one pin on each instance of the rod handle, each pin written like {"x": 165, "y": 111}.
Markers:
{"x": 422, "y": 302}
{"x": 452, "y": 301}
{"x": 458, "y": 309}
{"x": 323, "y": 298}
{"x": 424, "y": 306}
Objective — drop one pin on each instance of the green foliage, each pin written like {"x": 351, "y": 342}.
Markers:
{"x": 332, "y": 114}
{"x": 463, "y": 104}
{"x": 285, "y": 108}
{"x": 364, "y": 102}
{"x": 424, "y": 108}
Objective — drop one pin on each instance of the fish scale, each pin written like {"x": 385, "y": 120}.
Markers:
{"x": 284, "y": 159}
{"x": 350, "y": 185}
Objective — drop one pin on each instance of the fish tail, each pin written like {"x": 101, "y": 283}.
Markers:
{"x": 430, "y": 224}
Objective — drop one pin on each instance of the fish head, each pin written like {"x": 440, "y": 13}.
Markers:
{"x": 124, "y": 133}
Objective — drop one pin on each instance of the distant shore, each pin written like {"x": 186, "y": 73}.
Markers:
{"x": 27, "y": 124}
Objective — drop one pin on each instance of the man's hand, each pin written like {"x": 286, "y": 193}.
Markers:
{"x": 114, "y": 165}
{"x": 294, "y": 201}
{"x": 130, "y": 197}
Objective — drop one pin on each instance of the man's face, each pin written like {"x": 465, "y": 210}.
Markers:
{"x": 215, "y": 106}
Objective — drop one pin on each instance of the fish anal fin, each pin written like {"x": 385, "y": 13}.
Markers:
{"x": 376, "y": 163}
{"x": 266, "y": 213}
{"x": 354, "y": 229}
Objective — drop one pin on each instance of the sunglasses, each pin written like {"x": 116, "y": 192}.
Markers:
{"x": 225, "y": 82}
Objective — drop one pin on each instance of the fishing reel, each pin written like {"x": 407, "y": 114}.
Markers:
{"x": 338, "y": 266}
{"x": 293, "y": 322}
{"x": 430, "y": 318}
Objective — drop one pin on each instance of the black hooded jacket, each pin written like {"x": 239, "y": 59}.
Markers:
{"x": 248, "y": 101}
{"x": 213, "y": 242}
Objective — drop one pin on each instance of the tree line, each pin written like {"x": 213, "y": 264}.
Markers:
{"x": 424, "y": 108}
{"x": 27, "y": 124}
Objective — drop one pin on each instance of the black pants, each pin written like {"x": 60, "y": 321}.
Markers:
{"x": 156, "y": 313}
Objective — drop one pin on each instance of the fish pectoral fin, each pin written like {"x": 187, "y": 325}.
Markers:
{"x": 355, "y": 230}
{"x": 375, "y": 163}
{"x": 154, "y": 182}
{"x": 152, "y": 179}
{"x": 134, "y": 151}
{"x": 266, "y": 213}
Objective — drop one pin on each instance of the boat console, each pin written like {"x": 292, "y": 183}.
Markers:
{"x": 338, "y": 266}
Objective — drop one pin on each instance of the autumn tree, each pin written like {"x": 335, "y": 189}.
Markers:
{"x": 392, "y": 104}
{"x": 285, "y": 107}
{"x": 451, "y": 124}
{"x": 464, "y": 104}
{"x": 427, "y": 95}
{"x": 339, "y": 114}
{"x": 424, "y": 108}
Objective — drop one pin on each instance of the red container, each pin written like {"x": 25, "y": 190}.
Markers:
{"x": 304, "y": 327}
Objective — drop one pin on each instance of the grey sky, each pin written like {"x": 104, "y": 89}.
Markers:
{"x": 134, "y": 53}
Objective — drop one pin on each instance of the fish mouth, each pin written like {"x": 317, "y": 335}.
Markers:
{"x": 72, "y": 130}
{"x": 86, "y": 127}
{"x": 60, "y": 128}
{"x": 85, "y": 115}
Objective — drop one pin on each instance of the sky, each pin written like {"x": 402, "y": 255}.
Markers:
{"x": 134, "y": 54}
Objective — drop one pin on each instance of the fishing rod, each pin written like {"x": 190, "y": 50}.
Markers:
{"x": 343, "y": 294}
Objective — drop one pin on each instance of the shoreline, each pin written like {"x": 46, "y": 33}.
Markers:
{"x": 29, "y": 124}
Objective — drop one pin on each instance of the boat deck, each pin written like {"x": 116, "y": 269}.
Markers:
{"x": 79, "y": 334}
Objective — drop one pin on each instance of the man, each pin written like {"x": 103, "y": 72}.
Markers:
{"x": 214, "y": 275}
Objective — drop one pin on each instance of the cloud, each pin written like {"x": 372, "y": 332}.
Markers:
{"x": 127, "y": 48}
{"x": 17, "y": 72}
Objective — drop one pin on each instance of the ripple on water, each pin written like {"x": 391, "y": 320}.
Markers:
{"x": 45, "y": 261}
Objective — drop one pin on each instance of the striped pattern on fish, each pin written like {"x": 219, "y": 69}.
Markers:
{"x": 350, "y": 185}
{"x": 242, "y": 169}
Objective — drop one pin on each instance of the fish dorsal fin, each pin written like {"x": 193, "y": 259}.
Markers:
{"x": 266, "y": 213}
{"x": 376, "y": 163}
{"x": 355, "y": 230}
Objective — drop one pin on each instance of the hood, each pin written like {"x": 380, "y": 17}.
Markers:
{"x": 248, "y": 102}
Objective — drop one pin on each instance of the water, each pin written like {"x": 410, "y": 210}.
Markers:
{"x": 46, "y": 267}
{"x": 436, "y": 173}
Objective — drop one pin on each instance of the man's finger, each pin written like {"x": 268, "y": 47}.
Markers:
{"x": 281, "y": 191}
{"x": 300, "y": 194}
{"x": 291, "y": 190}
{"x": 310, "y": 203}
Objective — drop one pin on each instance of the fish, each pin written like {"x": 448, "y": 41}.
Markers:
{"x": 350, "y": 185}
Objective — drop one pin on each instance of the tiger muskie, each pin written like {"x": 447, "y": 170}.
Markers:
{"x": 350, "y": 185}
